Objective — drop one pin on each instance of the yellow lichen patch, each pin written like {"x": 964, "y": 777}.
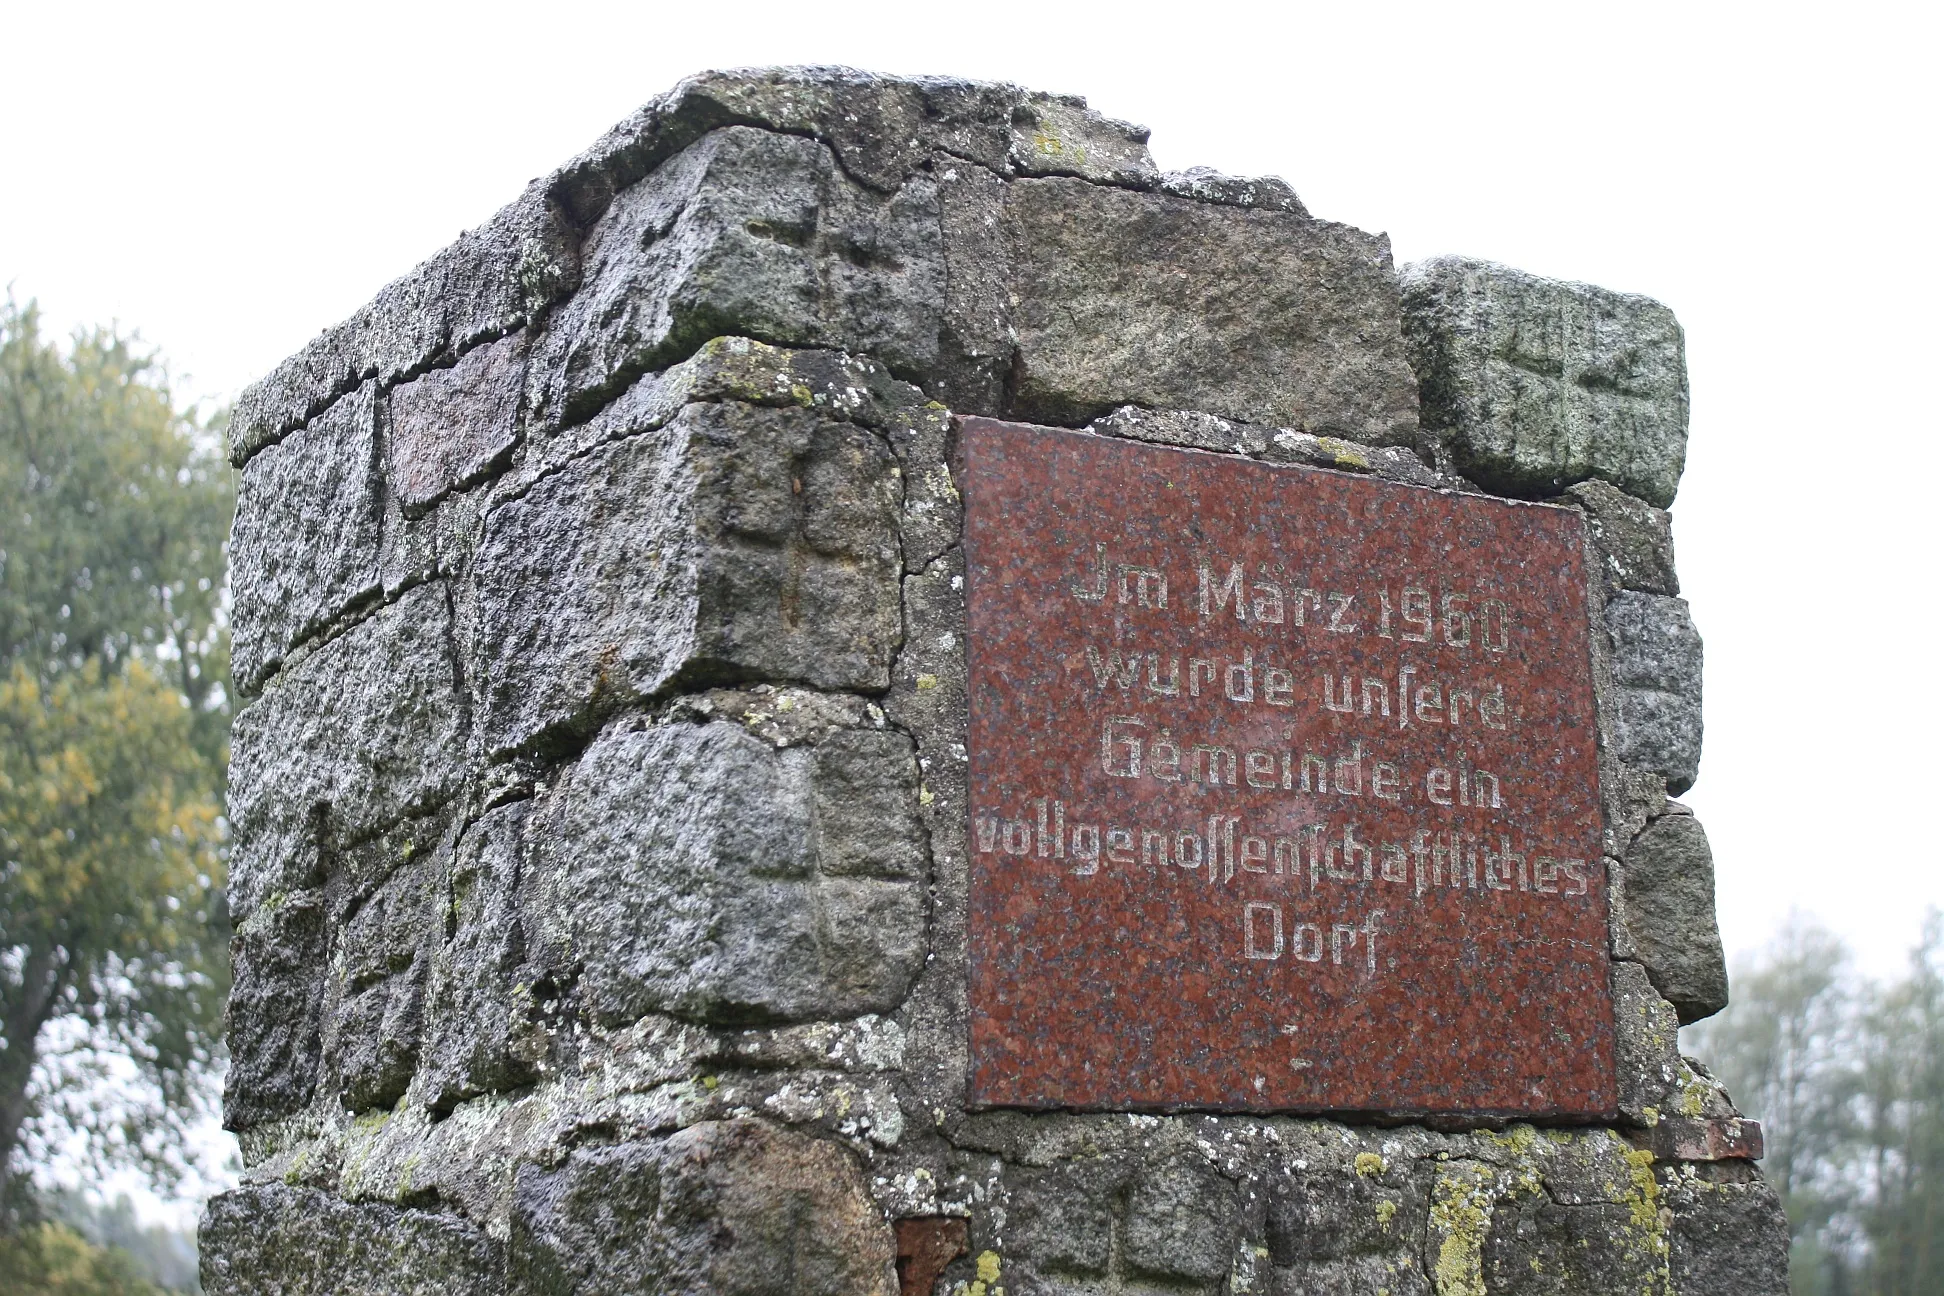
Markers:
{"x": 1386, "y": 1212}
{"x": 1519, "y": 1138}
{"x": 1461, "y": 1210}
{"x": 987, "y": 1275}
{"x": 1047, "y": 143}
{"x": 925, "y": 796}
{"x": 1344, "y": 455}
{"x": 1694, "y": 1094}
{"x": 1369, "y": 1164}
{"x": 927, "y": 682}
{"x": 801, "y": 395}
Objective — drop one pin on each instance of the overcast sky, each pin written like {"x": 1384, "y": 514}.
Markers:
{"x": 230, "y": 180}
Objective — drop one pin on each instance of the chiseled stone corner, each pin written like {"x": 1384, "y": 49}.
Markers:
{"x": 705, "y": 871}
{"x": 733, "y": 543}
{"x": 746, "y": 232}
{"x": 1530, "y": 385}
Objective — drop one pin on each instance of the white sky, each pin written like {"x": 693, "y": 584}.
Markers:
{"x": 232, "y": 178}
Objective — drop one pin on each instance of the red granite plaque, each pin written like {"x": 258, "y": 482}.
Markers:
{"x": 1284, "y": 794}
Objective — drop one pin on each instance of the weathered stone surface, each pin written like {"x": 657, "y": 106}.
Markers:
{"x": 1143, "y": 299}
{"x": 925, "y": 1246}
{"x": 1657, "y": 670}
{"x": 309, "y": 514}
{"x": 1670, "y": 914}
{"x": 1188, "y": 428}
{"x": 380, "y": 723}
{"x": 751, "y": 233}
{"x": 882, "y": 128}
{"x": 272, "y": 1022}
{"x": 1205, "y": 184}
{"x": 1653, "y": 1077}
{"x": 482, "y": 1033}
{"x": 1729, "y": 1238}
{"x": 725, "y": 1208}
{"x": 1531, "y": 384}
{"x": 276, "y": 1241}
{"x": 1537, "y": 1247}
{"x": 700, "y": 871}
{"x": 452, "y": 426}
{"x": 1332, "y": 1214}
{"x": 1061, "y": 1218}
{"x": 376, "y": 1000}
{"x": 734, "y": 543}
{"x": 1392, "y": 463}
{"x": 1695, "y": 1138}
{"x": 1635, "y": 539}
{"x": 1183, "y": 1222}
{"x": 835, "y": 383}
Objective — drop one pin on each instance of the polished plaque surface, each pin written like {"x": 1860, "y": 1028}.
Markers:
{"x": 1284, "y": 789}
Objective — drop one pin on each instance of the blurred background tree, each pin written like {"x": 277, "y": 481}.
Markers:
{"x": 114, "y": 718}
{"x": 1847, "y": 1078}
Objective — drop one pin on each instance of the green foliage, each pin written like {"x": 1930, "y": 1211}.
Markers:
{"x": 1848, "y": 1080}
{"x": 48, "y": 1259}
{"x": 163, "y": 1255}
{"x": 113, "y": 723}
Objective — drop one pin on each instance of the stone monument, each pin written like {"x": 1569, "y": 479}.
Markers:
{"x": 862, "y": 693}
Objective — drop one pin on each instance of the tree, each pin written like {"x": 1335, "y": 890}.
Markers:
{"x": 1901, "y": 1126}
{"x": 114, "y": 506}
{"x": 1781, "y": 1048}
{"x": 54, "y": 1260}
{"x": 1848, "y": 1080}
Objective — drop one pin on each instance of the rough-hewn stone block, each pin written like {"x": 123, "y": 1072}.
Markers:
{"x": 735, "y": 543}
{"x": 1061, "y": 1218}
{"x": 482, "y": 1036}
{"x": 1729, "y": 1237}
{"x": 1183, "y": 1221}
{"x": 1657, "y": 672}
{"x": 746, "y": 232}
{"x": 1670, "y": 915}
{"x": 1647, "y": 1038}
{"x": 1532, "y": 384}
{"x": 309, "y": 517}
{"x": 375, "y": 1004}
{"x": 697, "y": 870}
{"x": 278, "y": 963}
{"x": 452, "y": 426}
{"x": 275, "y": 1241}
{"x": 365, "y": 730}
{"x": 725, "y": 1208}
{"x": 1537, "y": 1247}
{"x": 1122, "y": 298}
{"x": 1635, "y": 539}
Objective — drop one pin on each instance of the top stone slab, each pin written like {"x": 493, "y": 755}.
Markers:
{"x": 894, "y": 217}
